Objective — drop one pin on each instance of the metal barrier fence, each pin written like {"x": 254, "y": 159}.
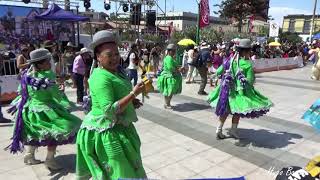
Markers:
{"x": 9, "y": 67}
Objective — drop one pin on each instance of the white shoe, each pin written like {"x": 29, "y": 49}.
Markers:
{"x": 52, "y": 165}
{"x": 30, "y": 160}
{"x": 234, "y": 133}
{"x": 220, "y": 135}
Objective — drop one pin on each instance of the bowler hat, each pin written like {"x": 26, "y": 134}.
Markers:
{"x": 171, "y": 47}
{"x": 39, "y": 55}
{"x": 48, "y": 44}
{"x": 24, "y": 47}
{"x": 102, "y": 37}
{"x": 244, "y": 44}
{"x": 71, "y": 45}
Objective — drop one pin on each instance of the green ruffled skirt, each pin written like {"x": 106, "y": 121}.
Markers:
{"x": 243, "y": 102}
{"x": 48, "y": 125}
{"x": 109, "y": 155}
{"x": 169, "y": 84}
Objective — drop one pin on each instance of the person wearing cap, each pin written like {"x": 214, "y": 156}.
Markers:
{"x": 108, "y": 145}
{"x": 79, "y": 70}
{"x": 204, "y": 56}
{"x": 192, "y": 54}
{"x": 40, "y": 118}
{"x": 236, "y": 94}
{"x": 52, "y": 48}
{"x": 170, "y": 81}
{"x": 68, "y": 58}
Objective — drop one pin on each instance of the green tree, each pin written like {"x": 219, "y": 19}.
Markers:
{"x": 240, "y": 9}
{"x": 289, "y": 37}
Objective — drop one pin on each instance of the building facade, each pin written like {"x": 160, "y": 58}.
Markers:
{"x": 183, "y": 20}
{"x": 300, "y": 23}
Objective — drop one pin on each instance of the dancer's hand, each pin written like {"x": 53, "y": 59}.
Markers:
{"x": 139, "y": 88}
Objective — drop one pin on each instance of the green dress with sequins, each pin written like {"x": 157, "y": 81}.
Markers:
{"x": 46, "y": 121}
{"x": 108, "y": 146}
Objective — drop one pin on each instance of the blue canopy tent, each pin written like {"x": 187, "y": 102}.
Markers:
{"x": 316, "y": 36}
{"x": 55, "y": 13}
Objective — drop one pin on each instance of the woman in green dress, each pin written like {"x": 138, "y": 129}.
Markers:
{"x": 170, "y": 81}
{"x": 236, "y": 94}
{"x": 40, "y": 118}
{"x": 108, "y": 146}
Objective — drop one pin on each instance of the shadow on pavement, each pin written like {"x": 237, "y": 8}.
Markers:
{"x": 265, "y": 139}
{"x": 68, "y": 162}
{"x": 186, "y": 107}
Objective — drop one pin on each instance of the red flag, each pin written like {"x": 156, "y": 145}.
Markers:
{"x": 204, "y": 13}
{"x": 251, "y": 23}
{"x": 171, "y": 29}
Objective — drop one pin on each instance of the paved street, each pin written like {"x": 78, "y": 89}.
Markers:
{"x": 181, "y": 143}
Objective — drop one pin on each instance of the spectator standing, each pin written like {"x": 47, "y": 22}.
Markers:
{"x": 22, "y": 58}
{"x": 68, "y": 58}
{"x": 50, "y": 36}
{"x": 192, "y": 54}
{"x": 203, "y": 57}
{"x": 79, "y": 70}
{"x": 133, "y": 64}
{"x": 155, "y": 58}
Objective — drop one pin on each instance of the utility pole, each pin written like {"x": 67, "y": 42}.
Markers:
{"x": 198, "y": 22}
{"x": 312, "y": 24}
{"x": 165, "y": 12}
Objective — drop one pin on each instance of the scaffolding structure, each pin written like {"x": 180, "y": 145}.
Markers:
{"x": 45, "y": 3}
{"x": 146, "y": 4}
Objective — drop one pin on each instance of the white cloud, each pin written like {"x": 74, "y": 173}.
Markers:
{"x": 278, "y": 12}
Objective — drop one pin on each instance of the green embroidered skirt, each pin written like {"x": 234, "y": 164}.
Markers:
{"x": 110, "y": 154}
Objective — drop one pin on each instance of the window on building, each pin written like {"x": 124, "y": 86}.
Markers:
{"x": 307, "y": 26}
{"x": 291, "y": 25}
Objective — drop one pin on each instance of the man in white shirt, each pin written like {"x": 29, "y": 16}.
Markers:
{"x": 133, "y": 64}
{"x": 191, "y": 66}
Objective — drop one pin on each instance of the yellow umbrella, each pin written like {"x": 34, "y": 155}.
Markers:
{"x": 186, "y": 42}
{"x": 274, "y": 44}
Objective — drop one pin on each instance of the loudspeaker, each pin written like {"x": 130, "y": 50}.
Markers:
{"x": 151, "y": 18}
{"x": 135, "y": 18}
{"x": 135, "y": 8}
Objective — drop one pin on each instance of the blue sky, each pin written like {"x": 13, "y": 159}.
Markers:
{"x": 278, "y": 8}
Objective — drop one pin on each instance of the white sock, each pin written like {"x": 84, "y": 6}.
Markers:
{"x": 50, "y": 154}
{"x": 31, "y": 149}
{"x": 219, "y": 128}
{"x": 234, "y": 125}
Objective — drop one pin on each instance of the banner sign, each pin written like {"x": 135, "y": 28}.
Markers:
{"x": 204, "y": 13}
{"x": 274, "y": 29}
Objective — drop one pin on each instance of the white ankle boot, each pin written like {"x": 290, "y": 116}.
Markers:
{"x": 51, "y": 163}
{"x": 29, "y": 158}
{"x": 219, "y": 134}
